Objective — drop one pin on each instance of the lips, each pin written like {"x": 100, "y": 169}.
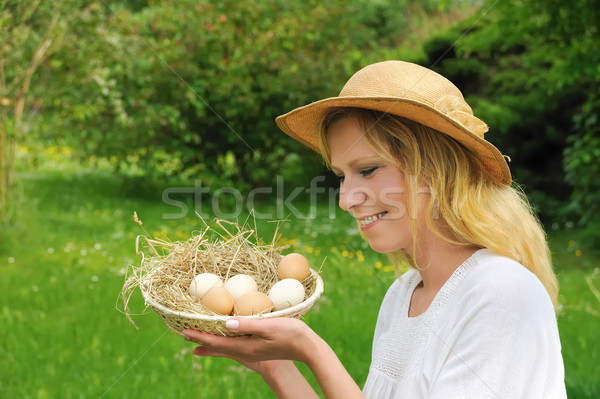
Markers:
{"x": 370, "y": 219}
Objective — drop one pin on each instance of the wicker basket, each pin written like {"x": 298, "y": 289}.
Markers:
{"x": 213, "y": 324}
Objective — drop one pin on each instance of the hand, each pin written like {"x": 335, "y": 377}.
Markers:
{"x": 267, "y": 341}
{"x": 270, "y": 346}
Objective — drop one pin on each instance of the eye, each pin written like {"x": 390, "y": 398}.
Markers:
{"x": 340, "y": 178}
{"x": 368, "y": 171}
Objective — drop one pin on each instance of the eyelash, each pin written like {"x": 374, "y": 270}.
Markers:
{"x": 364, "y": 173}
{"x": 368, "y": 171}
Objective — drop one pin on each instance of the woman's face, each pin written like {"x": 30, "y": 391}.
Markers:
{"x": 372, "y": 189}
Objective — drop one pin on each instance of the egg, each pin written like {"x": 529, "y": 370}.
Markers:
{"x": 240, "y": 284}
{"x": 219, "y": 300}
{"x": 294, "y": 266}
{"x": 204, "y": 282}
{"x": 252, "y": 303}
{"x": 286, "y": 293}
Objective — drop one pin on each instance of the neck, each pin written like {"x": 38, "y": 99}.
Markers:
{"x": 437, "y": 259}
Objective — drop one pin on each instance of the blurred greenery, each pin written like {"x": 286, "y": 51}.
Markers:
{"x": 170, "y": 92}
{"x": 531, "y": 71}
{"x": 104, "y": 104}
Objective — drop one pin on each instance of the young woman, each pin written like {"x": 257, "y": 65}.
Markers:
{"x": 474, "y": 317}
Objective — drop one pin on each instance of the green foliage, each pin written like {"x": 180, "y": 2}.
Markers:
{"x": 185, "y": 89}
{"x": 170, "y": 92}
{"x": 174, "y": 91}
{"x": 582, "y": 165}
{"x": 526, "y": 67}
{"x": 391, "y": 20}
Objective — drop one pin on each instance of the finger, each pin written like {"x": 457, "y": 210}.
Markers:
{"x": 224, "y": 345}
{"x": 216, "y": 342}
{"x": 204, "y": 351}
{"x": 196, "y": 336}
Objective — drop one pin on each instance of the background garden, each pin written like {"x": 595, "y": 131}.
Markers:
{"x": 104, "y": 105}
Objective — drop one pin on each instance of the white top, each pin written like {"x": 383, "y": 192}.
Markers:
{"x": 490, "y": 332}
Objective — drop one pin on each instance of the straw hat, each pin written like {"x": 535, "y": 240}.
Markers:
{"x": 410, "y": 91}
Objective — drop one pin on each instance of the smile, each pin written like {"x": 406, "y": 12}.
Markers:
{"x": 368, "y": 220}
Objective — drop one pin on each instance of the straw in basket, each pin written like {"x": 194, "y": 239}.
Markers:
{"x": 164, "y": 278}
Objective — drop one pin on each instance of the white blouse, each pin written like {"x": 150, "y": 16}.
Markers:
{"x": 490, "y": 332}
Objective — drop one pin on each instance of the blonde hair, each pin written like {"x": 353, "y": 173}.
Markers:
{"x": 469, "y": 203}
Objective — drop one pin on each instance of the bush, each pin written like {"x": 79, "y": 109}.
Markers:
{"x": 582, "y": 166}
{"x": 527, "y": 68}
{"x": 175, "y": 91}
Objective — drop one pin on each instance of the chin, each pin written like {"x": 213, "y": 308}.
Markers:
{"x": 384, "y": 248}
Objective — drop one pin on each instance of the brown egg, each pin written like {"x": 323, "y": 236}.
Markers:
{"x": 253, "y": 303}
{"x": 219, "y": 300}
{"x": 294, "y": 266}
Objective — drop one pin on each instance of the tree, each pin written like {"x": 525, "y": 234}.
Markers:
{"x": 31, "y": 31}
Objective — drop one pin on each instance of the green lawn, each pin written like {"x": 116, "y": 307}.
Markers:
{"x": 62, "y": 268}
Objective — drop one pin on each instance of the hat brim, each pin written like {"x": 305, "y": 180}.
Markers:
{"x": 303, "y": 124}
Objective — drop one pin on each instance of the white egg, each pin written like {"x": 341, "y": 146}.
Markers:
{"x": 240, "y": 284}
{"x": 286, "y": 293}
{"x": 204, "y": 282}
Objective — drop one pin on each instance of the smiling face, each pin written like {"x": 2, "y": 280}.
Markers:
{"x": 372, "y": 189}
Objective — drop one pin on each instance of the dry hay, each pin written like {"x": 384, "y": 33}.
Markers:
{"x": 226, "y": 250}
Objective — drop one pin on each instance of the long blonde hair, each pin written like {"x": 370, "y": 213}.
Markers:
{"x": 464, "y": 198}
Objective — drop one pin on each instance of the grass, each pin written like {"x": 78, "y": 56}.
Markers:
{"x": 62, "y": 267}
{"x": 579, "y": 319}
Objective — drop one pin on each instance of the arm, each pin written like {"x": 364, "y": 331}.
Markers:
{"x": 286, "y": 381}
{"x": 282, "y": 376}
{"x": 270, "y": 346}
{"x": 333, "y": 378}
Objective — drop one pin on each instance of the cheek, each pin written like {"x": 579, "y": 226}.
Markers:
{"x": 394, "y": 202}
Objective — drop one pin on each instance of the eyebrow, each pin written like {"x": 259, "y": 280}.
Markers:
{"x": 353, "y": 162}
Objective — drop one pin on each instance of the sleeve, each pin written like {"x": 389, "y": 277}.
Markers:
{"x": 500, "y": 340}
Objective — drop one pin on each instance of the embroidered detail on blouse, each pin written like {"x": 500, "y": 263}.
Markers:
{"x": 400, "y": 348}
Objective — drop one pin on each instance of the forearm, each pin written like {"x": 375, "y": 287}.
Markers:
{"x": 286, "y": 381}
{"x": 333, "y": 378}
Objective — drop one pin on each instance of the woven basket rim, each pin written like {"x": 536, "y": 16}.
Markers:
{"x": 306, "y": 304}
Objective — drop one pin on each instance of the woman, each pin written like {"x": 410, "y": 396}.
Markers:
{"x": 474, "y": 317}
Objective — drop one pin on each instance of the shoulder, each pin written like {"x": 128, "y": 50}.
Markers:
{"x": 498, "y": 274}
{"x": 500, "y": 323}
{"x": 497, "y": 282}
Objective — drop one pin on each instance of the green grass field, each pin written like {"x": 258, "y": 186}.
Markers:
{"x": 63, "y": 266}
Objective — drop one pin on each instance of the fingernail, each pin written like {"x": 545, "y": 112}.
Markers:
{"x": 187, "y": 337}
{"x": 232, "y": 324}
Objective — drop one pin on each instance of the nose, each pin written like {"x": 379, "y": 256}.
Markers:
{"x": 351, "y": 195}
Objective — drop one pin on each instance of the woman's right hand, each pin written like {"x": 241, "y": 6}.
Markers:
{"x": 260, "y": 341}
